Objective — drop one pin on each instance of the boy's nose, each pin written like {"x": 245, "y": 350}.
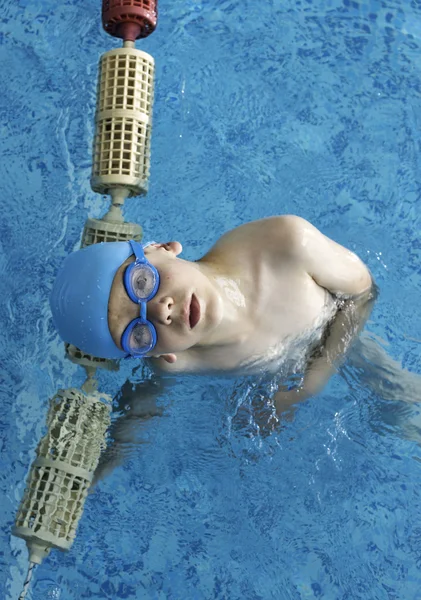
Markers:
{"x": 160, "y": 310}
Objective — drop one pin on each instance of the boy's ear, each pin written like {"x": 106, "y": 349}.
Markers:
{"x": 174, "y": 247}
{"x": 169, "y": 358}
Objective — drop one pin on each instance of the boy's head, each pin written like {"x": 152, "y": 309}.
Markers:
{"x": 92, "y": 309}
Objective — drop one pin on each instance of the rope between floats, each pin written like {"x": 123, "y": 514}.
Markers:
{"x": 32, "y": 566}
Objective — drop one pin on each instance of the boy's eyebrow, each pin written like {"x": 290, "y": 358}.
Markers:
{"x": 119, "y": 278}
{"x": 123, "y": 267}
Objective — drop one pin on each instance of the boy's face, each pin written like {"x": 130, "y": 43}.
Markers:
{"x": 184, "y": 295}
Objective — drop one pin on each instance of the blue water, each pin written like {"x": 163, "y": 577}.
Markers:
{"x": 261, "y": 108}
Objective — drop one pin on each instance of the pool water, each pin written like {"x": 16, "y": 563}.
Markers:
{"x": 261, "y": 108}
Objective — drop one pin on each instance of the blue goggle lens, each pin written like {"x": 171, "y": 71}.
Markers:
{"x": 142, "y": 280}
{"x": 140, "y": 337}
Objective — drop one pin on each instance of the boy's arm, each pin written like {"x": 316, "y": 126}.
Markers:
{"x": 345, "y": 276}
{"x": 332, "y": 266}
{"x": 348, "y": 323}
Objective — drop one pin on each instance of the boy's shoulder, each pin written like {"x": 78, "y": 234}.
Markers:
{"x": 278, "y": 234}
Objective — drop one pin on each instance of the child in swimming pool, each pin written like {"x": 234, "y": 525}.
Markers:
{"x": 238, "y": 308}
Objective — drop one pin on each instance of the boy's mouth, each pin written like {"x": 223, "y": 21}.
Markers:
{"x": 194, "y": 312}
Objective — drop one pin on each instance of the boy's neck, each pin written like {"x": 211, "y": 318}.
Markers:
{"x": 234, "y": 303}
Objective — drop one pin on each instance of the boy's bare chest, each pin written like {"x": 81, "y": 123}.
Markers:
{"x": 285, "y": 305}
{"x": 289, "y": 302}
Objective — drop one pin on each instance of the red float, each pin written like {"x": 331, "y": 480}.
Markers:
{"x": 129, "y": 19}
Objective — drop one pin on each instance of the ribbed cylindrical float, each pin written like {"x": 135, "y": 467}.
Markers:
{"x": 61, "y": 474}
{"x": 121, "y": 157}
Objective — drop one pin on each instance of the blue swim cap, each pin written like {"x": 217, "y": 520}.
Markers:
{"x": 79, "y": 300}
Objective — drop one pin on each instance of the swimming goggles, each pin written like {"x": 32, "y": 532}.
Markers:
{"x": 141, "y": 280}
